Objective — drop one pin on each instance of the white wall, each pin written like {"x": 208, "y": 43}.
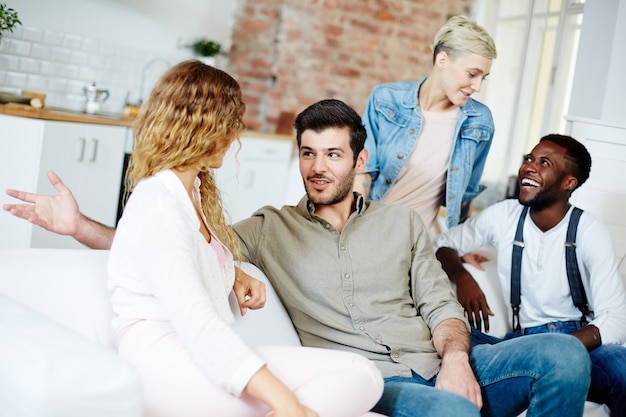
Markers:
{"x": 154, "y": 25}
{"x": 122, "y": 45}
{"x": 599, "y": 82}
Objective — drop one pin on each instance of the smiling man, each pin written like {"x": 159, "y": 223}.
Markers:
{"x": 533, "y": 236}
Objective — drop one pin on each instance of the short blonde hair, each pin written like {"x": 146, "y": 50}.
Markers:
{"x": 193, "y": 114}
{"x": 461, "y": 34}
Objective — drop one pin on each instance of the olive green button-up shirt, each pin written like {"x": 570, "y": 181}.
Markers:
{"x": 375, "y": 289}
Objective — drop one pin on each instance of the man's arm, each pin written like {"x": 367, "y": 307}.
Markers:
{"x": 452, "y": 341}
{"x": 468, "y": 292}
{"x": 60, "y": 214}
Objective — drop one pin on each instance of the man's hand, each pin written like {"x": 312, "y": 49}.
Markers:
{"x": 56, "y": 213}
{"x": 468, "y": 292}
{"x": 456, "y": 376}
{"x": 474, "y": 259}
{"x": 250, "y": 292}
{"x": 60, "y": 214}
{"x": 452, "y": 341}
{"x": 473, "y": 300}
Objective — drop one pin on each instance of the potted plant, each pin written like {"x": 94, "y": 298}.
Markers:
{"x": 8, "y": 19}
{"x": 205, "y": 47}
{"x": 207, "y": 50}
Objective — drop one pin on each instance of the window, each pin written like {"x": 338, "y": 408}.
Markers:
{"x": 529, "y": 88}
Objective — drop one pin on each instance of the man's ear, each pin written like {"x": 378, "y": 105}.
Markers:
{"x": 361, "y": 160}
{"x": 570, "y": 183}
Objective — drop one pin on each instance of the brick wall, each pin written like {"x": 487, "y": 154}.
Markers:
{"x": 288, "y": 54}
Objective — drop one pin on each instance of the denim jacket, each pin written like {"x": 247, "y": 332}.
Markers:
{"x": 393, "y": 122}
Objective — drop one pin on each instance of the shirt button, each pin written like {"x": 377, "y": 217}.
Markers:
{"x": 379, "y": 340}
{"x": 361, "y": 328}
{"x": 411, "y": 130}
{"x": 387, "y": 181}
{"x": 346, "y": 276}
{"x": 396, "y": 356}
{"x": 327, "y": 226}
{"x": 351, "y": 304}
{"x": 400, "y": 155}
{"x": 343, "y": 247}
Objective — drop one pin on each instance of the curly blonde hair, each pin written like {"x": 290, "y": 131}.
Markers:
{"x": 194, "y": 111}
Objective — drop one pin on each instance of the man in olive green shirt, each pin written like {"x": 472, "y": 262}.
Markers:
{"x": 361, "y": 276}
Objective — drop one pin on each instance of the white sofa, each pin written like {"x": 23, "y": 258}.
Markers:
{"x": 61, "y": 360}
{"x": 57, "y": 299}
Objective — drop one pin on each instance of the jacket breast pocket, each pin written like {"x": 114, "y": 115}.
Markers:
{"x": 391, "y": 123}
{"x": 472, "y": 139}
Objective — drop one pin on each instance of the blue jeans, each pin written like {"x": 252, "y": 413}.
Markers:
{"x": 608, "y": 368}
{"x": 547, "y": 373}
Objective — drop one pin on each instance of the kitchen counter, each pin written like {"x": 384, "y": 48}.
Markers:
{"x": 61, "y": 115}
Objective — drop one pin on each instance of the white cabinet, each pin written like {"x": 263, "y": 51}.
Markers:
{"x": 256, "y": 175}
{"x": 88, "y": 157}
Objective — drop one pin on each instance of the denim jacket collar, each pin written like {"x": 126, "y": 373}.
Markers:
{"x": 410, "y": 101}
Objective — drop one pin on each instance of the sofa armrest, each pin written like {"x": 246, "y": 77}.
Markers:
{"x": 65, "y": 285}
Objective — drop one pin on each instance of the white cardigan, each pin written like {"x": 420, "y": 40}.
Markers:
{"x": 161, "y": 268}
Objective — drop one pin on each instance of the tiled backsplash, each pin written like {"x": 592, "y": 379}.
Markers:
{"x": 61, "y": 64}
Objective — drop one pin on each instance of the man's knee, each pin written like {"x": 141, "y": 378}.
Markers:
{"x": 565, "y": 358}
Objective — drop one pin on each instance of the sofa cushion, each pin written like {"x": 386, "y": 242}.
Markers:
{"x": 269, "y": 325}
{"x": 49, "y": 370}
{"x": 65, "y": 285}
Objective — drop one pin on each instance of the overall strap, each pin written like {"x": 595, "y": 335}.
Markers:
{"x": 516, "y": 270}
{"x": 579, "y": 295}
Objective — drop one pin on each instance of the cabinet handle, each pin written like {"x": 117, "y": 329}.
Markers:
{"x": 94, "y": 153}
{"x": 80, "y": 150}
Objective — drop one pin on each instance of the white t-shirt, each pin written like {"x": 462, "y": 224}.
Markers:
{"x": 421, "y": 182}
{"x": 545, "y": 293}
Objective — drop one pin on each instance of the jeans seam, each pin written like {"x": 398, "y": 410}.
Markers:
{"x": 526, "y": 374}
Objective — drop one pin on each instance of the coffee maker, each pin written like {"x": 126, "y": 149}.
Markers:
{"x": 95, "y": 97}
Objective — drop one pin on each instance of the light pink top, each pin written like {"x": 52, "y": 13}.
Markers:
{"x": 421, "y": 182}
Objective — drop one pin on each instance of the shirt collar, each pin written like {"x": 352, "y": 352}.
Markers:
{"x": 308, "y": 208}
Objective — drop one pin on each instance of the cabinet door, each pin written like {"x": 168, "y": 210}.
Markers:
{"x": 89, "y": 159}
{"x": 20, "y": 147}
{"x": 254, "y": 177}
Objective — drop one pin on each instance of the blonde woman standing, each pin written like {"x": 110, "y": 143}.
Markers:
{"x": 171, "y": 270}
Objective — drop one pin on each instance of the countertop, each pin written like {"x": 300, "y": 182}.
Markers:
{"x": 60, "y": 115}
